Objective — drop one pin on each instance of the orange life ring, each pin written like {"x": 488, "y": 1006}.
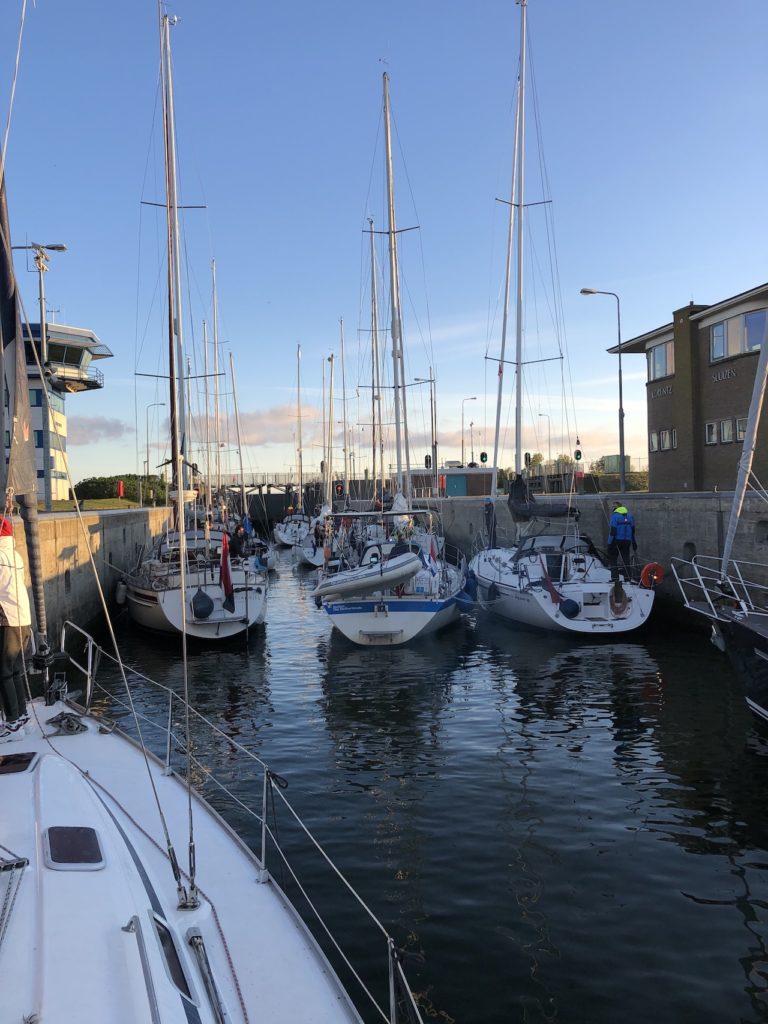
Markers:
{"x": 652, "y": 575}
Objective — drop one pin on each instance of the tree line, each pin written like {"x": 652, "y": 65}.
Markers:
{"x": 109, "y": 487}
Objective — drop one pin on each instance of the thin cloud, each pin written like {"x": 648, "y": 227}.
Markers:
{"x": 90, "y": 429}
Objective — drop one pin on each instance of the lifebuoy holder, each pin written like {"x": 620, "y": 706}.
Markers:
{"x": 652, "y": 575}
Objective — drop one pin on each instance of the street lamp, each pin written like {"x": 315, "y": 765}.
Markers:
{"x": 622, "y": 479}
{"x": 41, "y": 262}
{"x": 152, "y": 405}
{"x": 543, "y": 415}
{"x": 433, "y": 424}
{"x": 472, "y": 399}
{"x": 471, "y": 442}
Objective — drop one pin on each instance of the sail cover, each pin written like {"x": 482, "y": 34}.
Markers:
{"x": 20, "y": 473}
{"x": 524, "y": 505}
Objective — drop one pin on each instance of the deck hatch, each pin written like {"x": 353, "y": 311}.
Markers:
{"x": 12, "y": 764}
{"x": 72, "y": 848}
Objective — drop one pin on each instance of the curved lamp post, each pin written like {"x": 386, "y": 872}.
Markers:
{"x": 622, "y": 477}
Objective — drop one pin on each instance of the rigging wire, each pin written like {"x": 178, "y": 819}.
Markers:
{"x": 16, "y": 65}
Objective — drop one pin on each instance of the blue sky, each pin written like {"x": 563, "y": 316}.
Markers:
{"x": 652, "y": 118}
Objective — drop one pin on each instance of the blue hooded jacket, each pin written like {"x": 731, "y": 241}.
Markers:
{"x": 622, "y": 525}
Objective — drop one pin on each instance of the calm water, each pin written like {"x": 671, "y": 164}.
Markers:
{"x": 563, "y": 831}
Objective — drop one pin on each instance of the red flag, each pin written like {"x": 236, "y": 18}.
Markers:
{"x": 555, "y": 597}
{"x": 225, "y": 579}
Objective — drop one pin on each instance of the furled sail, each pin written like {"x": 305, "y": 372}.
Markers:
{"x": 19, "y": 475}
{"x": 523, "y": 504}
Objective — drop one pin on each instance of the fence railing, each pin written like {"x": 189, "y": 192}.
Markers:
{"x": 402, "y": 1005}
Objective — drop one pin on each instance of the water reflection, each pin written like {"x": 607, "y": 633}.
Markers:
{"x": 552, "y": 823}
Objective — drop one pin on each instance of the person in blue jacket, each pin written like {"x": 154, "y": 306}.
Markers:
{"x": 621, "y": 538}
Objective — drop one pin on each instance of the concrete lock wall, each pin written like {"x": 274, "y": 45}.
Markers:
{"x": 114, "y": 539}
{"x": 667, "y": 526}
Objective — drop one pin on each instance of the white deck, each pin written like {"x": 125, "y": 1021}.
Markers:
{"x": 67, "y": 950}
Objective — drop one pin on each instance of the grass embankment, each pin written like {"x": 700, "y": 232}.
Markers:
{"x": 91, "y": 504}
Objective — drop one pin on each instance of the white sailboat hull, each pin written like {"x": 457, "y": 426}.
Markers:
{"x": 263, "y": 960}
{"x": 516, "y": 597}
{"x": 389, "y": 620}
{"x": 290, "y": 533}
{"x": 156, "y": 604}
{"x": 390, "y": 617}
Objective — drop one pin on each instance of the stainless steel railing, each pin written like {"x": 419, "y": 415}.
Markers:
{"x": 402, "y": 1005}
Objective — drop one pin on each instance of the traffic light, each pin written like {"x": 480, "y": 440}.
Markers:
{"x": 427, "y": 462}
{"x": 483, "y": 456}
{"x": 527, "y": 460}
{"x": 339, "y": 489}
{"x": 577, "y": 455}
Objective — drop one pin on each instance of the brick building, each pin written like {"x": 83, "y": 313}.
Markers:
{"x": 701, "y": 370}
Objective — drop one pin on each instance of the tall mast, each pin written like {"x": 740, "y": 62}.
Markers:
{"x": 375, "y": 370}
{"x": 747, "y": 452}
{"x": 324, "y": 463}
{"x": 329, "y": 460}
{"x": 344, "y": 412}
{"x": 519, "y": 145}
{"x": 175, "y": 325}
{"x": 299, "y": 452}
{"x": 216, "y": 380}
{"x": 207, "y": 422}
{"x": 394, "y": 288}
{"x": 237, "y": 428}
{"x": 514, "y": 211}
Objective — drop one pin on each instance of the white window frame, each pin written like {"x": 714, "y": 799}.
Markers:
{"x": 653, "y": 441}
{"x": 741, "y": 430}
{"x": 710, "y": 433}
{"x": 726, "y": 431}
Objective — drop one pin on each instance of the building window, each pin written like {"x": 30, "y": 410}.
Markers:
{"x": 653, "y": 441}
{"x": 741, "y": 428}
{"x": 665, "y": 440}
{"x": 38, "y": 439}
{"x": 710, "y": 435}
{"x": 56, "y": 402}
{"x": 737, "y": 335}
{"x": 754, "y": 324}
{"x": 41, "y": 474}
{"x": 717, "y": 341}
{"x": 36, "y": 397}
{"x": 7, "y": 439}
{"x": 661, "y": 361}
{"x": 726, "y": 431}
{"x": 674, "y": 438}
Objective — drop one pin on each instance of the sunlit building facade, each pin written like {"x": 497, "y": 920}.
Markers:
{"x": 71, "y": 354}
{"x": 701, "y": 370}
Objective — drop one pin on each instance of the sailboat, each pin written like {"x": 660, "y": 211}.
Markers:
{"x": 552, "y": 579}
{"x": 228, "y": 598}
{"x": 403, "y": 585}
{"x": 296, "y": 524}
{"x": 733, "y": 594}
{"x": 93, "y": 820}
{"x": 318, "y": 546}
